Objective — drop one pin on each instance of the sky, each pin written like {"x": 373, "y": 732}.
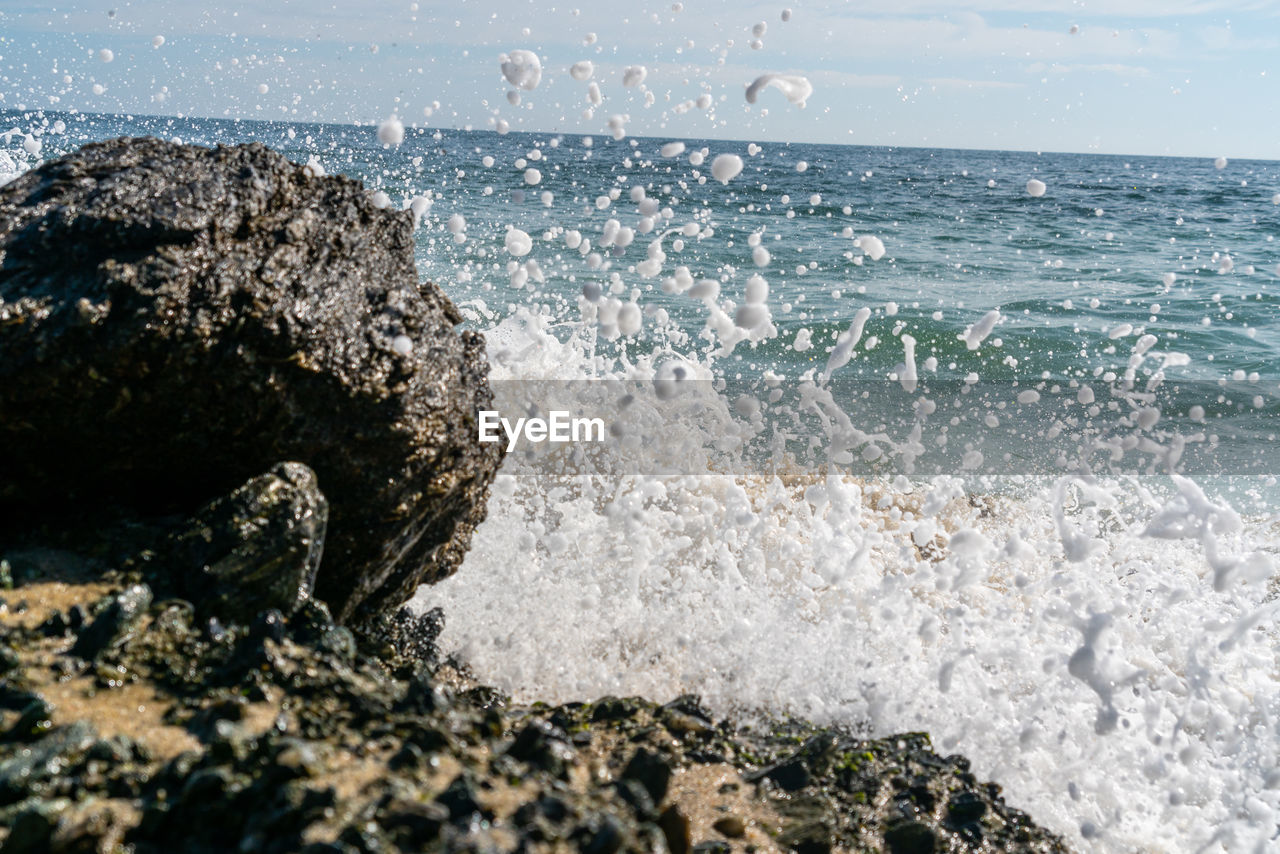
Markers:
{"x": 1179, "y": 77}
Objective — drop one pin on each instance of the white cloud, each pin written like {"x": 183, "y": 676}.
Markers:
{"x": 958, "y": 83}
{"x": 1069, "y": 8}
{"x": 1116, "y": 68}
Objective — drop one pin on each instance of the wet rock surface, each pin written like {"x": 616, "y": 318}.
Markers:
{"x": 281, "y": 733}
{"x": 256, "y": 549}
{"x": 176, "y": 320}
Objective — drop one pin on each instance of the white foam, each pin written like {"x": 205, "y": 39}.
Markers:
{"x": 518, "y": 242}
{"x": 1036, "y": 188}
{"x": 582, "y": 71}
{"x": 1220, "y": 163}
{"x": 157, "y": 41}
{"x": 10, "y": 168}
{"x": 522, "y": 68}
{"x": 673, "y": 149}
{"x": 797, "y": 89}
{"x": 633, "y": 75}
{"x": 872, "y": 246}
{"x": 845, "y": 343}
{"x": 726, "y": 167}
{"x": 391, "y": 131}
{"x": 977, "y": 333}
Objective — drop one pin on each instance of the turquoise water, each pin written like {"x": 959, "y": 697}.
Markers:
{"x": 962, "y": 234}
{"x": 954, "y": 244}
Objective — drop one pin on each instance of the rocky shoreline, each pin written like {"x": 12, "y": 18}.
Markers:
{"x": 203, "y": 643}
{"x": 129, "y": 724}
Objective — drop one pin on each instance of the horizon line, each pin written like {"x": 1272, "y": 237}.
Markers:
{"x": 609, "y": 140}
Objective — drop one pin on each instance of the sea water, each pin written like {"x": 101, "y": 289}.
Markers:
{"x": 983, "y": 444}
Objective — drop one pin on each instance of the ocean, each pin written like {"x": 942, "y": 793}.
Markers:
{"x": 972, "y": 442}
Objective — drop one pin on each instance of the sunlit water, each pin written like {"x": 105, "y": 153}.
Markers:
{"x": 1101, "y": 642}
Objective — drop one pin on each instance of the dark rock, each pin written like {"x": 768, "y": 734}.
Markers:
{"x": 651, "y": 771}
{"x": 675, "y": 828}
{"x": 606, "y": 840}
{"x": 413, "y": 824}
{"x": 616, "y": 709}
{"x": 32, "y": 770}
{"x": 114, "y": 625}
{"x": 407, "y": 758}
{"x": 257, "y": 548}
{"x": 268, "y": 626}
{"x": 543, "y": 746}
{"x": 730, "y": 826}
{"x": 459, "y": 798}
{"x": 35, "y": 720}
{"x": 911, "y": 837}
{"x": 966, "y": 807}
{"x": 813, "y": 759}
{"x": 32, "y": 830}
{"x": 175, "y": 320}
{"x": 790, "y": 776}
{"x": 637, "y": 796}
{"x": 712, "y": 846}
{"x": 405, "y": 638}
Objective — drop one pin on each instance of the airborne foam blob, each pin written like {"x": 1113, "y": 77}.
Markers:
{"x": 106, "y": 55}
{"x": 633, "y": 75}
{"x": 726, "y": 167}
{"x": 629, "y": 319}
{"x": 909, "y": 378}
{"x": 1036, "y": 188}
{"x": 848, "y": 339}
{"x": 796, "y": 88}
{"x": 391, "y": 131}
{"x": 518, "y": 242}
{"x": 872, "y": 246}
{"x": 522, "y": 68}
{"x": 673, "y": 149}
{"x": 157, "y": 41}
{"x": 1220, "y": 163}
{"x": 582, "y": 71}
{"x": 978, "y": 332}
